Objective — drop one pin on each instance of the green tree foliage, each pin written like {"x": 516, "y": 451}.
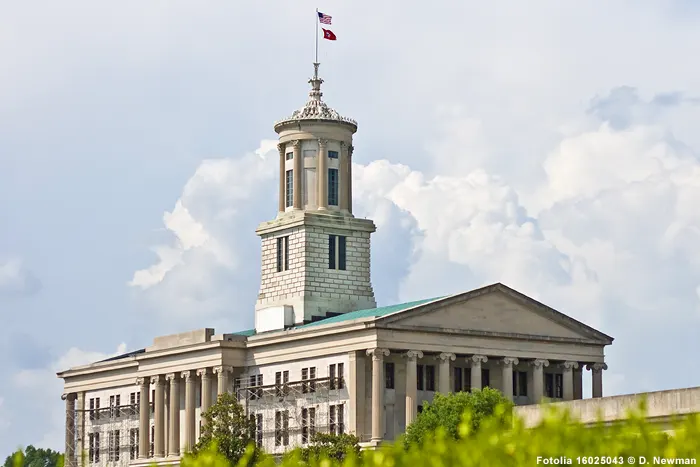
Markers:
{"x": 226, "y": 429}
{"x": 331, "y": 446}
{"x": 445, "y": 412}
{"x": 33, "y": 457}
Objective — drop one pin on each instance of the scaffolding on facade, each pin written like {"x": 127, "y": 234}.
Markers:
{"x": 111, "y": 435}
{"x": 287, "y": 414}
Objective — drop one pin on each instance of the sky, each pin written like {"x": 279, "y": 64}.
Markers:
{"x": 551, "y": 146}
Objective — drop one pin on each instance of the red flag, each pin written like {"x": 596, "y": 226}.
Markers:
{"x": 328, "y": 34}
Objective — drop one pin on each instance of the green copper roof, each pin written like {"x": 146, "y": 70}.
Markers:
{"x": 359, "y": 314}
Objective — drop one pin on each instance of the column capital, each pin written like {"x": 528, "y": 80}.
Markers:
{"x": 413, "y": 354}
{"x": 446, "y": 356}
{"x": 351, "y": 148}
{"x": 540, "y": 363}
{"x": 71, "y": 396}
{"x": 222, "y": 369}
{"x": 188, "y": 375}
{"x": 172, "y": 377}
{"x": 597, "y": 366}
{"x": 569, "y": 365}
{"x": 157, "y": 380}
{"x": 378, "y": 353}
{"x": 204, "y": 373}
{"x": 343, "y": 144}
{"x": 281, "y": 147}
{"x": 509, "y": 361}
{"x": 143, "y": 381}
{"x": 296, "y": 143}
{"x": 477, "y": 359}
{"x": 322, "y": 143}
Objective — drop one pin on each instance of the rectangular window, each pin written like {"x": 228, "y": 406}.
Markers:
{"x": 304, "y": 378}
{"x": 304, "y": 426}
{"x": 336, "y": 252}
{"x": 485, "y": 378}
{"x": 92, "y": 408}
{"x": 341, "y": 375}
{"x": 467, "y": 379}
{"x": 97, "y": 408}
{"x": 97, "y": 448}
{"x": 558, "y": 385}
{"x": 549, "y": 385}
{"x": 340, "y": 418}
{"x": 278, "y": 384}
{"x": 312, "y": 377}
{"x": 285, "y": 428}
{"x": 289, "y": 156}
{"x": 420, "y": 409}
{"x": 419, "y": 377}
{"x": 519, "y": 383}
{"x": 331, "y": 376}
{"x": 152, "y": 441}
{"x": 430, "y": 377}
{"x": 289, "y": 188}
{"x": 332, "y": 417}
{"x": 91, "y": 448}
{"x": 332, "y": 154}
{"x": 113, "y": 450}
{"x": 282, "y": 254}
{"x": 458, "y": 383}
{"x": 332, "y": 187}
{"x": 112, "y": 407}
{"x": 278, "y": 428}
{"x": 260, "y": 386}
{"x": 389, "y": 375}
{"x": 335, "y": 374}
{"x": 256, "y": 427}
{"x": 133, "y": 443}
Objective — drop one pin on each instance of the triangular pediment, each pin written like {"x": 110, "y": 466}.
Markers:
{"x": 495, "y": 310}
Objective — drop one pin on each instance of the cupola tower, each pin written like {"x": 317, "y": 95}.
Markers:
{"x": 315, "y": 253}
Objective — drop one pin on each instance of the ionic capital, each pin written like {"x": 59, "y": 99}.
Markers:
{"x": 157, "y": 380}
{"x": 322, "y": 143}
{"x": 510, "y": 361}
{"x": 187, "y": 375}
{"x": 597, "y": 366}
{"x": 378, "y": 353}
{"x": 281, "y": 147}
{"x": 143, "y": 381}
{"x": 204, "y": 373}
{"x": 222, "y": 369}
{"x": 172, "y": 377}
{"x": 569, "y": 365}
{"x": 540, "y": 363}
{"x": 296, "y": 143}
{"x": 413, "y": 354}
{"x": 477, "y": 359}
{"x": 70, "y": 397}
{"x": 447, "y": 356}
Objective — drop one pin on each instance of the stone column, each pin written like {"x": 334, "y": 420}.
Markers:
{"x": 159, "y": 417}
{"x": 174, "y": 429}
{"x": 412, "y": 357}
{"x": 356, "y": 392}
{"x": 190, "y": 391}
{"x": 343, "y": 181}
{"x": 322, "y": 174}
{"x": 476, "y": 361}
{"x": 507, "y": 376}
{"x": 568, "y": 377}
{"x": 144, "y": 417}
{"x": 377, "y": 392}
{"x": 70, "y": 429}
{"x": 297, "y": 175}
{"x": 538, "y": 379}
{"x": 205, "y": 375}
{"x": 597, "y": 378}
{"x": 81, "y": 459}
{"x": 351, "y": 148}
{"x": 222, "y": 382}
{"x": 283, "y": 177}
{"x": 444, "y": 371}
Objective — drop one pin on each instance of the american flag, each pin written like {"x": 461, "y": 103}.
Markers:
{"x": 324, "y": 19}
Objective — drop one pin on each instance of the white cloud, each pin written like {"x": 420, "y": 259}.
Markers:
{"x": 43, "y": 388}
{"x": 16, "y": 279}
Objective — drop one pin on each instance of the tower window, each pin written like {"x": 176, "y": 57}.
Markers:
{"x": 289, "y": 187}
{"x": 290, "y": 156}
{"x": 282, "y": 254}
{"x": 336, "y": 252}
{"x": 332, "y": 154}
{"x": 332, "y": 187}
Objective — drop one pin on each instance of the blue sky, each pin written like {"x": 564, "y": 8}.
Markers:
{"x": 550, "y": 147}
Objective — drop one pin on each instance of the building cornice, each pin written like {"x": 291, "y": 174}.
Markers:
{"x": 325, "y": 219}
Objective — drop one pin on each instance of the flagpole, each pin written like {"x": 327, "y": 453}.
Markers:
{"x": 316, "y": 61}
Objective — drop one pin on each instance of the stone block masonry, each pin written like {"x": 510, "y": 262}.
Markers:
{"x": 309, "y": 285}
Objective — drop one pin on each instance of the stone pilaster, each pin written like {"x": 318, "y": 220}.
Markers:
{"x": 205, "y": 376}
{"x": 80, "y": 455}
{"x": 297, "y": 175}
{"x": 356, "y": 392}
{"x": 351, "y": 148}
{"x": 377, "y": 355}
{"x": 507, "y": 376}
{"x": 476, "y": 361}
{"x": 568, "y": 377}
{"x": 69, "y": 457}
{"x": 159, "y": 416}
{"x": 444, "y": 371}
{"x": 190, "y": 392}
{"x": 174, "y": 429}
{"x": 322, "y": 174}
{"x": 538, "y": 379}
{"x": 283, "y": 178}
{"x": 144, "y": 417}
{"x": 412, "y": 357}
{"x": 597, "y": 378}
{"x": 343, "y": 176}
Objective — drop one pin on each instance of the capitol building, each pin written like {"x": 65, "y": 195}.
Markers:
{"x": 323, "y": 357}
